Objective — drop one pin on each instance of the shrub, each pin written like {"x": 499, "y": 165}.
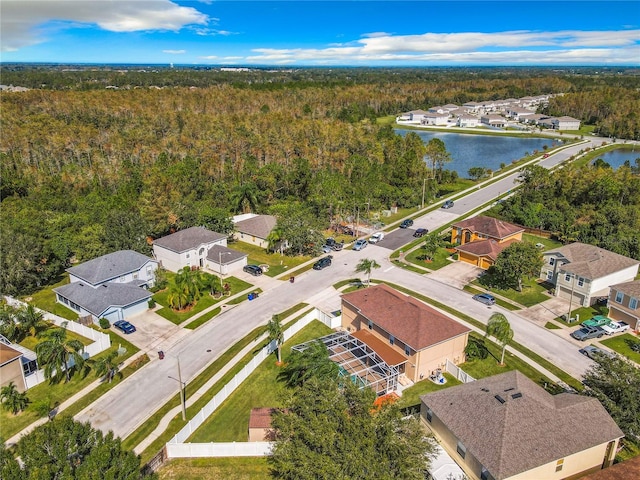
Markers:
{"x": 476, "y": 349}
{"x": 152, "y": 303}
{"x": 104, "y": 323}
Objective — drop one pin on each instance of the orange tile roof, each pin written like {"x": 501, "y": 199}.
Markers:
{"x": 485, "y": 248}
{"x": 409, "y": 320}
{"x": 489, "y": 226}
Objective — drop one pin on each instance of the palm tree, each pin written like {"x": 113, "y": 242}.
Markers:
{"x": 245, "y": 197}
{"x": 499, "y": 328}
{"x": 31, "y": 320}
{"x": 366, "y": 265}
{"x": 275, "y": 333}
{"x": 107, "y": 366}
{"x": 55, "y": 353}
{"x": 12, "y": 399}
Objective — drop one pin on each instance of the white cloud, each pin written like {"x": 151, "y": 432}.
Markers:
{"x": 209, "y": 57}
{"x": 174, "y": 52}
{"x": 26, "y": 22}
{"x": 500, "y": 48}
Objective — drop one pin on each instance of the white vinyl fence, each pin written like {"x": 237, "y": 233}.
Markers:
{"x": 101, "y": 341}
{"x": 176, "y": 447}
{"x": 457, "y": 372}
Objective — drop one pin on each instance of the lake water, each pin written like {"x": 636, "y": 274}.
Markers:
{"x": 616, "y": 158}
{"x": 487, "y": 151}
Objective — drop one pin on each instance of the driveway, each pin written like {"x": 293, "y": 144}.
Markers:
{"x": 546, "y": 311}
{"x": 153, "y": 332}
{"x": 458, "y": 274}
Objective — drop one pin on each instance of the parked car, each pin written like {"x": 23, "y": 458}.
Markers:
{"x": 447, "y": 204}
{"x": 420, "y": 232}
{"x": 254, "y": 270}
{"x": 615, "y": 327}
{"x": 406, "y": 223}
{"x": 327, "y": 249}
{"x": 376, "y": 237}
{"x": 596, "y": 321}
{"x": 360, "y": 244}
{"x": 336, "y": 247}
{"x": 594, "y": 352}
{"x": 485, "y": 298}
{"x": 323, "y": 262}
{"x": 330, "y": 242}
{"x": 587, "y": 333}
{"x": 124, "y": 326}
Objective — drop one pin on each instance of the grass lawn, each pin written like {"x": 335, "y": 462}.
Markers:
{"x": 440, "y": 259}
{"x": 230, "y": 422}
{"x": 45, "y": 299}
{"x": 552, "y": 326}
{"x": 52, "y": 393}
{"x": 547, "y": 242}
{"x": 583, "y": 314}
{"x": 31, "y": 342}
{"x": 259, "y": 256}
{"x": 229, "y": 468}
{"x": 499, "y": 301}
{"x": 203, "y": 303}
{"x": 410, "y": 267}
{"x": 620, "y": 344}
{"x": 532, "y": 293}
{"x": 411, "y": 396}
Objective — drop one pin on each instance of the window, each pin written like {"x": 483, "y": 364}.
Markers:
{"x": 559, "y": 464}
{"x": 429, "y": 415}
{"x": 407, "y": 350}
{"x": 633, "y": 303}
{"x": 580, "y": 281}
{"x": 392, "y": 339}
{"x": 552, "y": 261}
{"x": 619, "y": 296}
{"x": 567, "y": 277}
{"x": 549, "y": 275}
{"x": 187, "y": 255}
{"x": 370, "y": 325}
{"x": 461, "y": 449}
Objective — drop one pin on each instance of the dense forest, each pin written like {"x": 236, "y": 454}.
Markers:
{"x": 98, "y": 159}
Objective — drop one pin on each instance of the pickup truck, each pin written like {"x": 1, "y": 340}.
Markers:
{"x": 586, "y": 333}
{"x": 615, "y": 327}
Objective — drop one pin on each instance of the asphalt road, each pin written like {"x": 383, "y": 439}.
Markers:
{"x": 129, "y": 404}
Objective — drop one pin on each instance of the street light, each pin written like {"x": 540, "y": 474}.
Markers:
{"x": 183, "y": 391}
{"x": 220, "y": 253}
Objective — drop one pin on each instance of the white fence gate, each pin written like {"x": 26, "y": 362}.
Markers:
{"x": 457, "y": 372}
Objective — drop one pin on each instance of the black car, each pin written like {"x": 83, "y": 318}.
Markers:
{"x": 124, "y": 326}
{"x": 406, "y": 223}
{"x": 254, "y": 270}
{"x": 447, "y": 204}
{"x": 323, "y": 262}
{"x": 420, "y": 232}
{"x": 330, "y": 242}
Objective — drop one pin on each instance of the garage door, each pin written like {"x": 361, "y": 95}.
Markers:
{"x": 566, "y": 294}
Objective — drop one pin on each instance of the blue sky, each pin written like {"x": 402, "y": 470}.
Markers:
{"x": 321, "y": 33}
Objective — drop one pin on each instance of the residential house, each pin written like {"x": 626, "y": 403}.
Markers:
{"x": 11, "y": 367}
{"x": 113, "y": 286}
{"x": 508, "y": 427}
{"x": 566, "y": 123}
{"x": 254, "y": 229}
{"x": 225, "y": 260}
{"x": 480, "y": 239}
{"x": 624, "y": 303}
{"x": 186, "y": 248}
{"x": 467, "y": 121}
{"x": 519, "y": 113}
{"x": 585, "y": 272}
{"x": 435, "y": 118}
{"x": 416, "y": 116}
{"x": 404, "y": 332}
{"x": 625, "y": 470}
{"x": 493, "y": 120}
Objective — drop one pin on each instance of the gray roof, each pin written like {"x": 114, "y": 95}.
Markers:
{"x": 224, "y": 255}
{"x": 591, "y": 262}
{"x": 188, "y": 239}
{"x": 97, "y": 300}
{"x": 259, "y": 226}
{"x": 529, "y": 428}
{"x": 628, "y": 288}
{"x": 110, "y": 266}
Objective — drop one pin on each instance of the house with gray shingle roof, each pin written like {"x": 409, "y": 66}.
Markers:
{"x": 585, "y": 272}
{"x": 508, "y": 427}
{"x": 225, "y": 260}
{"x": 186, "y": 248}
{"x": 254, "y": 229}
{"x": 113, "y": 286}
{"x": 624, "y": 303}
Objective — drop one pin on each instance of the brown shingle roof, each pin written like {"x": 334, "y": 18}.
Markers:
{"x": 383, "y": 349}
{"x": 259, "y": 226}
{"x": 7, "y": 354}
{"x": 188, "y": 239}
{"x": 485, "y": 248}
{"x": 524, "y": 431}
{"x": 404, "y": 317}
{"x": 629, "y": 288}
{"x": 261, "y": 417}
{"x": 492, "y": 227}
{"x": 627, "y": 470}
{"x": 591, "y": 262}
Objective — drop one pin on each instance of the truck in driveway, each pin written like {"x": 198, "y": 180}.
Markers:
{"x": 615, "y": 327}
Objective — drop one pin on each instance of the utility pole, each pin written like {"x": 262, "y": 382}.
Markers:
{"x": 424, "y": 185}
{"x": 573, "y": 286}
{"x": 183, "y": 392}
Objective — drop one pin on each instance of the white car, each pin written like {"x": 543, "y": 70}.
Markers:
{"x": 376, "y": 237}
{"x": 615, "y": 327}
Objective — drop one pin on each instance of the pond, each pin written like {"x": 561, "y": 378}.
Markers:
{"x": 616, "y": 158}
{"x": 489, "y": 151}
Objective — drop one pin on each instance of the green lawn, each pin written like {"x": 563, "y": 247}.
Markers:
{"x": 552, "y": 326}
{"x": 499, "y": 301}
{"x": 440, "y": 259}
{"x": 259, "y": 256}
{"x": 31, "y": 342}
{"x": 532, "y": 293}
{"x": 230, "y": 422}
{"x": 229, "y": 468}
{"x": 204, "y": 302}
{"x": 547, "y": 242}
{"x": 583, "y": 314}
{"x": 45, "y": 299}
{"x": 411, "y": 396}
{"x": 620, "y": 344}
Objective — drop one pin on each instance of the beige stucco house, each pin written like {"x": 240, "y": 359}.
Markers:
{"x": 11, "y": 368}
{"x": 403, "y": 331}
{"x": 506, "y": 427}
{"x": 624, "y": 303}
{"x": 254, "y": 229}
{"x": 186, "y": 248}
{"x": 585, "y": 272}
